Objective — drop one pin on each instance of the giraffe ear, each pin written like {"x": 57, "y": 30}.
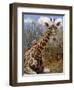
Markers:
{"x": 46, "y": 24}
{"x": 58, "y": 23}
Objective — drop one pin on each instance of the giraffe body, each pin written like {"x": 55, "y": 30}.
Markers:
{"x": 33, "y": 63}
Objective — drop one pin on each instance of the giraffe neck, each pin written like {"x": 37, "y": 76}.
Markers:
{"x": 41, "y": 45}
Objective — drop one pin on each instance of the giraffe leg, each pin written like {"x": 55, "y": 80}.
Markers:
{"x": 46, "y": 70}
{"x": 28, "y": 70}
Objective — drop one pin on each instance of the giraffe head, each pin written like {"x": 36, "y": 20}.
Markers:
{"x": 52, "y": 24}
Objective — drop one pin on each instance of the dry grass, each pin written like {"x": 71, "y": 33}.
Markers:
{"x": 53, "y": 60}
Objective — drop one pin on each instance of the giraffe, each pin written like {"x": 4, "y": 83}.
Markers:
{"x": 33, "y": 63}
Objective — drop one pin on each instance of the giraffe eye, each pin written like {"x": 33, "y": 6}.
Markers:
{"x": 49, "y": 27}
{"x": 55, "y": 27}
